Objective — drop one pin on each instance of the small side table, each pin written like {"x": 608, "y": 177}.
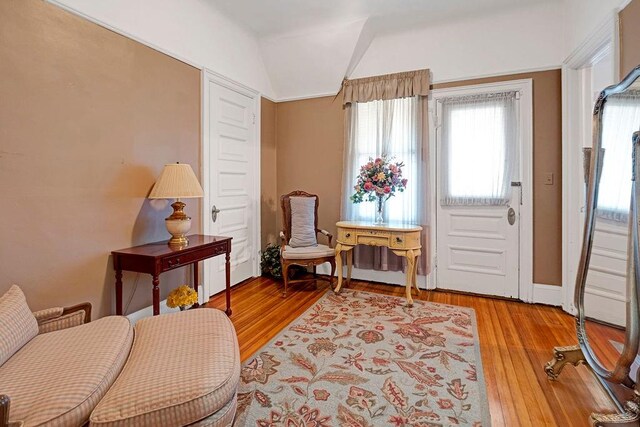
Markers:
{"x": 156, "y": 258}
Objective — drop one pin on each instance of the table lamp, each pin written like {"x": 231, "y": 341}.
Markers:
{"x": 177, "y": 181}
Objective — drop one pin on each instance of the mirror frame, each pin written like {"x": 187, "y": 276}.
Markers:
{"x": 620, "y": 373}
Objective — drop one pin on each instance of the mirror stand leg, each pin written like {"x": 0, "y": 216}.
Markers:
{"x": 562, "y": 356}
{"x": 630, "y": 417}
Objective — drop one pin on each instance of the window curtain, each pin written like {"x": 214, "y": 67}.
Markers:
{"x": 621, "y": 118}
{"x": 479, "y": 149}
{"x": 388, "y": 115}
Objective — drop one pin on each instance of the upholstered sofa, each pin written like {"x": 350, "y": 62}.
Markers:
{"x": 59, "y": 369}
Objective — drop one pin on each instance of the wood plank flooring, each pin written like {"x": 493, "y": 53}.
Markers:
{"x": 516, "y": 340}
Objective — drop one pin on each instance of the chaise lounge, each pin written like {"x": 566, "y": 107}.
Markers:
{"x": 59, "y": 369}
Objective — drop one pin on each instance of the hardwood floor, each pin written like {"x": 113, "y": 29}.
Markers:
{"x": 516, "y": 340}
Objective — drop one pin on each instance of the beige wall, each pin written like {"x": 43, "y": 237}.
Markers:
{"x": 87, "y": 119}
{"x": 629, "y": 37}
{"x": 310, "y": 135}
{"x": 268, "y": 181}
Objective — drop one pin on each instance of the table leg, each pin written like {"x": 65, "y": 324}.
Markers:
{"x": 156, "y": 295}
{"x": 196, "y": 282}
{"x": 119, "y": 292}
{"x": 227, "y": 268}
{"x": 338, "y": 267}
{"x": 349, "y": 265}
{"x": 411, "y": 261}
{"x": 415, "y": 270}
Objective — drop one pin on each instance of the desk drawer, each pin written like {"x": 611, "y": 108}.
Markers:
{"x": 405, "y": 240}
{"x": 374, "y": 240}
{"x": 347, "y": 236}
{"x": 180, "y": 260}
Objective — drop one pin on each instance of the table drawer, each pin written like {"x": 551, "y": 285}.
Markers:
{"x": 405, "y": 240}
{"x": 180, "y": 260}
{"x": 347, "y": 236}
{"x": 373, "y": 240}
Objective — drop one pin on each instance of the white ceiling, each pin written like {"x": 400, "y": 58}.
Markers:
{"x": 267, "y": 18}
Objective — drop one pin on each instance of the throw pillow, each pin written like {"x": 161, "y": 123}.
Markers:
{"x": 303, "y": 231}
{"x": 19, "y": 325}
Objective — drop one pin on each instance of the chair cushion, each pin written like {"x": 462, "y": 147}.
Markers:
{"x": 57, "y": 378}
{"x": 303, "y": 218}
{"x": 19, "y": 325}
{"x": 183, "y": 368}
{"x": 318, "y": 251}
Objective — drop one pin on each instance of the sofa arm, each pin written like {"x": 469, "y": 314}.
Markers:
{"x": 54, "y": 319}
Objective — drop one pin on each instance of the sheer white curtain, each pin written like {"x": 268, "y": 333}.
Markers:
{"x": 621, "y": 118}
{"x": 479, "y": 148}
{"x": 393, "y": 127}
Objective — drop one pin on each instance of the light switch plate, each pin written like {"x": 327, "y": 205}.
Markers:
{"x": 548, "y": 178}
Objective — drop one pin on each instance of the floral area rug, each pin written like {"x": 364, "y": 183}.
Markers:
{"x": 361, "y": 359}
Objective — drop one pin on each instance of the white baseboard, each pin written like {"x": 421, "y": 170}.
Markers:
{"x": 390, "y": 277}
{"x": 148, "y": 311}
{"x": 547, "y": 294}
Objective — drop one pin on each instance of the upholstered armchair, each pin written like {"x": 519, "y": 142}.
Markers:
{"x": 299, "y": 244}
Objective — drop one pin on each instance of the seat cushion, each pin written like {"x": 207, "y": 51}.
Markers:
{"x": 183, "y": 368}
{"x": 57, "y": 378}
{"x": 303, "y": 222}
{"x": 318, "y": 251}
{"x": 19, "y": 325}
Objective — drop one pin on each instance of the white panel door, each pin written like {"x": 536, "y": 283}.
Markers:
{"x": 231, "y": 183}
{"x": 478, "y": 250}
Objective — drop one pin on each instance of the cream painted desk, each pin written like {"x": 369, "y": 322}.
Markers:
{"x": 402, "y": 239}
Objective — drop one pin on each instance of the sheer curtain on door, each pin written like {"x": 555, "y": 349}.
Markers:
{"x": 388, "y": 115}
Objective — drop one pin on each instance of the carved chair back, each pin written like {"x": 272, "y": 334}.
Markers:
{"x": 285, "y": 204}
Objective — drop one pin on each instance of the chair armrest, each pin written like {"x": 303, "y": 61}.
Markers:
{"x": 54, "y": 319}
{"x": 327, "y": 234}
{"x": 5, "y": 402}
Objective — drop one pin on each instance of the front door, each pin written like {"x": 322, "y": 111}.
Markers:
{"x": 230, "y": 140}
{"x": 478, "y": 206}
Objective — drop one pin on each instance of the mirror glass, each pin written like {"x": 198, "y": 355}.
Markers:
{"x": 606, "y": 295}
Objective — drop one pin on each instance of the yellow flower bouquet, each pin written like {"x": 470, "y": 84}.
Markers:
{"x": 182, "y": 297}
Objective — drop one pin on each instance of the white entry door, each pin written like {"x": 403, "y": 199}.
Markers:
{"x": 479, "y": 191}
{"x": 231, "y": 200}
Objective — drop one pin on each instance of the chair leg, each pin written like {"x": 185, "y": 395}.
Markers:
{"x": 285, "y": 276}
{"x": 333, "y": 272}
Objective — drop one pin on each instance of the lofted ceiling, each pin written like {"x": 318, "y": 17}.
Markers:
{"x": 274, "y": 17}
{"x": 309, "y": 46}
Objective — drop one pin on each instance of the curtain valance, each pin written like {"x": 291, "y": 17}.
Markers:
{"x": 388, "y": 86}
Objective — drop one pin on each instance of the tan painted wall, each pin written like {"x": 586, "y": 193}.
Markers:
{"x": 268, "y": 179}
{"x": 310, "y": 135}
{"x": 87, "y": 120}
{"x": 310, "y": 140}
{"x": 629, "y": 37}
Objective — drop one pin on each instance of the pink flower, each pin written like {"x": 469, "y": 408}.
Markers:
{"x": 387, "y": 189}
{"x": 378, "y": 161}
{"x": 368, "y": 186}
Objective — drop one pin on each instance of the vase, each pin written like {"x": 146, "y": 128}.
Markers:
{"x": 379, "y": 210}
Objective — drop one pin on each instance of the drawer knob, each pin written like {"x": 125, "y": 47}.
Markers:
{"x": 347, "y": 235}
{"x": 398, "y": 239}
{"x": 174, "y": 262}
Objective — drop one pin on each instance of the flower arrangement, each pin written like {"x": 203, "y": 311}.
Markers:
{"x": 378, "y": 180}
{"x": 182, "y": 297}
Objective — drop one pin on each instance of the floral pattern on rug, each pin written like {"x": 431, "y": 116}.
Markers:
{"x": 360, "y": 359}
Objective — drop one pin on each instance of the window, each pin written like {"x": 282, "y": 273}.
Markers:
{"x": 388, "y": 127}
{"x": 479, "y": 148}
{"x": 620, "y": 121}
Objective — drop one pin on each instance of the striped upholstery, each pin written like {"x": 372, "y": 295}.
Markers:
{"x": 19, "y": 325}
{"x": 58, "y": 378}
{"x": 223, "y": 418}
{"x": 183, "y": 368}
{"x": 48, "y": 314}
{"x": 63, "y": 322}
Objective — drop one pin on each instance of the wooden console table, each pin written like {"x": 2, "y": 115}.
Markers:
{"x": 402, "y": 239}
{"x": 158, "y": 257}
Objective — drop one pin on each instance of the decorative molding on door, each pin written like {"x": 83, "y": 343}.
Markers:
{"x": 254, "y": 163}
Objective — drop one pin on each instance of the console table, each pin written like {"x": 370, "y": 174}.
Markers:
{"x": 156, "y": 258}
{"x": 402, "y": 239}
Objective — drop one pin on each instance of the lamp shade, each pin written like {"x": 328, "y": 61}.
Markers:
{"x": 177, "y": 181}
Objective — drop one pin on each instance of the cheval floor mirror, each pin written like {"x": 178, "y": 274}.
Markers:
{"x": 608, "y": 332}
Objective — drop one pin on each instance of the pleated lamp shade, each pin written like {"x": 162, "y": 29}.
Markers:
{"x": 177, "y": 181}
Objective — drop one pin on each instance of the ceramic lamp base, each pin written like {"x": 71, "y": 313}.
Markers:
{"x": 178, "y": 225}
